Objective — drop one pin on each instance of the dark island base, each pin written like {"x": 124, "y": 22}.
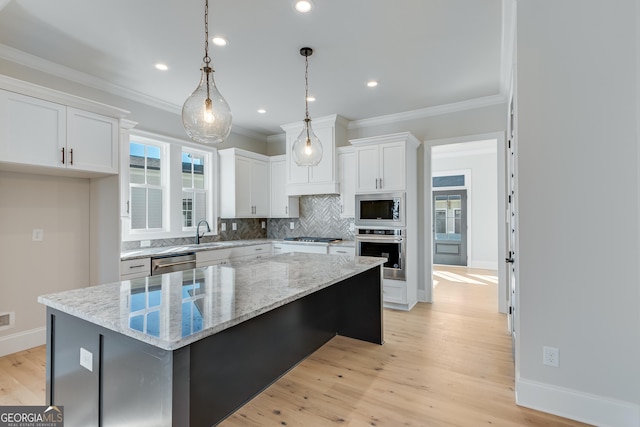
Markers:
{"x": 203, "y": 383}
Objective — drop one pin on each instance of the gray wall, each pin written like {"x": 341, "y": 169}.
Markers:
{"x": 577, "y": 81}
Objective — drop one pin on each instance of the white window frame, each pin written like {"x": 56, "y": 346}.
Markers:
{"x": 207, "y": 185}
{"x": 172, "y": 200}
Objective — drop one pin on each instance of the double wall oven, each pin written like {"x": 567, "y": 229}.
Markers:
{"x": 380, "y": 230}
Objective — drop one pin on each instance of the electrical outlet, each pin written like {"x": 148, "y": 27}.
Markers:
{"x": 234, "y": 226}
{"x": 145, "y": 243}
{"x": 86, "y": 359}
{"x": 7, "y": 320}
{"x": 264, "y": 224}
{"x": 37, "y": 235}
{"x": 292, "y": 225}
{"x": 223, "y": 226}
{"x": 551, "y": 356}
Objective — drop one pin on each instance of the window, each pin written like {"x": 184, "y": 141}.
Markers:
{"x": 169, "y": 186}
{"x": 146, "y": 177}
{"x": 194, "y": 188}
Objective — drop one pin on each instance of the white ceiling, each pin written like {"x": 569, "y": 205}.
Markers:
{"x": 424, "y": 53}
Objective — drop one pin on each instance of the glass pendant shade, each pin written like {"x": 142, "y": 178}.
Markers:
{"x": 206, "y": 115}
{"x": 307, "y": 149}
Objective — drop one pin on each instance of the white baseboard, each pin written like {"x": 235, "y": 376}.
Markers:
{"x": 22, "y": 341}
{"x": 575, "y": 405}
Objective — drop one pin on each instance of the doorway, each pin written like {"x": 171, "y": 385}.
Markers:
{"x": 450, "y": 227}
{"x": 475, "y": 245}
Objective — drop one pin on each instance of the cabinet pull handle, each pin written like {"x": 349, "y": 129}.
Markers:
{"x": 71, "y": 155}
{"x": 381, "y": 183}
{"x": 286, "y": 210}
{"x": 258, "y": 249}
{"x": 127, "y": 207}
{"x": 63, "y": 155}
{"x": 136, "y": 266}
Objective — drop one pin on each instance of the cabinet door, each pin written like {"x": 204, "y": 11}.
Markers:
{"x": 392, "y": 167}
{"x": 243, "y": 187}
{"x": 367, "y": 176}
{"x": 278, "y": 189}
{"x": 92, "y": 141}
{"x": 260, "y": 188}
{"x": 32, "y": 131}
{"x": 324, "y": 172}
{"x": 297, "y": 174}
{"x": 347, "y": 174}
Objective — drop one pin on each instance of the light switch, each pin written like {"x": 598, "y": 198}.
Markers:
{"x": 86, "y": 359}
{"x": 292, "y": 225}
{"x": 223, "y": 226}
{"x": 234, "y": 226}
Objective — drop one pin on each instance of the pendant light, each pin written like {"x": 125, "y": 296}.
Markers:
{"x": 307, "y": 149}
{"x": 206, "y": 116}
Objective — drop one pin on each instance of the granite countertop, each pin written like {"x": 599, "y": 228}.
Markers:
{"x": 171, "y": 250}
{"x": 176, "y": 309}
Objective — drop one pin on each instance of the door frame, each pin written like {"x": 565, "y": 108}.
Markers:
{"x": 427, "y": 246}
{"x": 464, "y": 219}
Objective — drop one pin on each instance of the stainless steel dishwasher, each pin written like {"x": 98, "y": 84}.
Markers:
{"x": 169, "y": 263}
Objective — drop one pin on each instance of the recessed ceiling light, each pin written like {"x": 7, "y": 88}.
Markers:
{"x": 311, "y": 98}
{"x": 303, "y": 6}
{"x": 262, "y": 111}
{"x": 372, "y": 83}
{"x": 161, "y": 67}
{"x": 219, "y": 41}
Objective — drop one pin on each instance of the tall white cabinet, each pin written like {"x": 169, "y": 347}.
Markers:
{"x": 347, "y": 178}
{"x": 244, "y": 184}
{"x": 282, "y": 205}
{"x": 384, "y": 164}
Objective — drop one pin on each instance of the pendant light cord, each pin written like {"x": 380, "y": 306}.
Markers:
{"x": 306, "y": 87}
{"x": 206, "y": 59}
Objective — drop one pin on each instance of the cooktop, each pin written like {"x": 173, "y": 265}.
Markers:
{"x": 313, "y": 239}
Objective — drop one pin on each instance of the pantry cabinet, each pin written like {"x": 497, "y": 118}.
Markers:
{"x": 282, "y": 205}
{"x": 41, "y": 133}
{"x": 244, "y": 184}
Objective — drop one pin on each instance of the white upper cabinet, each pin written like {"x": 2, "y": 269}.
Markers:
{"x": 44, "y": 129}
{"x": 32, "y": 131}
{"x": 92, "y": 141}
{"x": 244, "y": 184}
{"x": 282, "y": 205}
{"x": 347, "y": 175}
{"x": 323, "y": 178}
{"x": 381, "y": 162}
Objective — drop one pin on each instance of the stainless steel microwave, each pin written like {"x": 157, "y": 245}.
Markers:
{"x": 380, "y": 210}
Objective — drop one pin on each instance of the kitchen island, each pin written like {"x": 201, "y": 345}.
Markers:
{"x": 189, "y": 348}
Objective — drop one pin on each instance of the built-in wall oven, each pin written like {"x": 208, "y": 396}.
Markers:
{"x": 386, "y": 243}
{"x": 383, "y": 210}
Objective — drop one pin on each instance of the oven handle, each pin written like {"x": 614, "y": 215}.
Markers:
{"x": 379, "y": 239}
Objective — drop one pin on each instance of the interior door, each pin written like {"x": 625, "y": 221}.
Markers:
{"x": 511, "y": 226}
{"x": 450, "y": 227}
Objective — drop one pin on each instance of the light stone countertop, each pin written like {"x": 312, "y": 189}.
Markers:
{"x": 175, "y": 250}
{"x": 176, "y": 309}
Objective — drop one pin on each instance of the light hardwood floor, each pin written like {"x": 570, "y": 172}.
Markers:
{"x": 443, "y": 364}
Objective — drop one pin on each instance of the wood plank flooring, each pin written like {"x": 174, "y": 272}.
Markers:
{"x": 443, "y": 364}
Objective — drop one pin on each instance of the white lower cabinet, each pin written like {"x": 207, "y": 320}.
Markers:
{"x": 394, "y": 291}
{"x": 135, "y": 268}
{"x": 342, "y": 250}
{"x": 284, "y": 248}
{"x": 226, "y": 255}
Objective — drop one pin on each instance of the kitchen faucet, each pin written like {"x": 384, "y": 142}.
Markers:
{"x": 198, "y": 236}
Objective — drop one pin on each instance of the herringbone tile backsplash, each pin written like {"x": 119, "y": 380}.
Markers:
{"x": 319, "y": 217}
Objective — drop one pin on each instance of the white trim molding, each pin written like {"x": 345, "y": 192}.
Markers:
{"x": 576, "y": 405}
{"x": 20, "y": 341}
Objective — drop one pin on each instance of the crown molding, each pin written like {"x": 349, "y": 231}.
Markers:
{"x": 49, "y": 67}
{"x": 430, "y": 111}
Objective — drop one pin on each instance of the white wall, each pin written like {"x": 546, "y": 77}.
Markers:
{"x": 60, "y": 207}
{"x": 480, "y": 158}
{"x": 579, "y": 285}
